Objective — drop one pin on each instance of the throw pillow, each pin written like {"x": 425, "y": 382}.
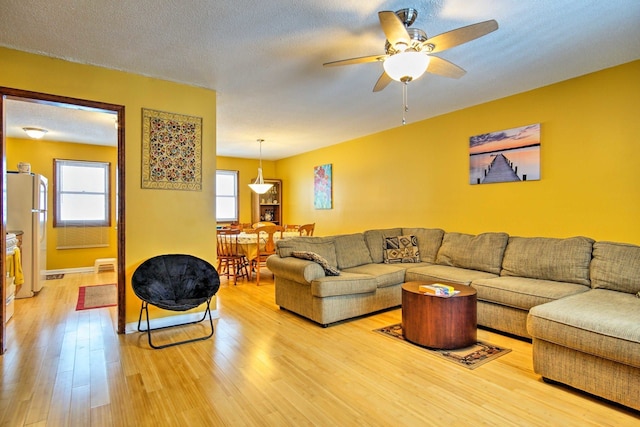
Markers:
{"x": 401, "y": 249}
{"x": 312, "y": 256}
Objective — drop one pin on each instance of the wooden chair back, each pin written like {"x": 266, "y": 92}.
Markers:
{"x": 307, "y": 229}
{"x": 231, "y": 262}
{"x": 291, "y": 227}
{"x": 228, "y": 242}
{"x": 262, "y": 224}
{"x": 269, "y": 245}
{"x": 267, "y": 232}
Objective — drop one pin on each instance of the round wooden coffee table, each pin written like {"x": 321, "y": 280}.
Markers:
{"x": 439, "y": 322}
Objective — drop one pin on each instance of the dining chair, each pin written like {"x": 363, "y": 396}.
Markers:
{"x": 291, "y": 227}
{"x": 307, "y": 229}
{"x": 263, "y": 252}
{"x": 231, "y": 262}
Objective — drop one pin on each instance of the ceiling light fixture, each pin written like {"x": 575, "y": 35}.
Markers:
{"x": 406, "y": 66}
{"x": 35, "y": 133}
{"x": 258, "y": 185}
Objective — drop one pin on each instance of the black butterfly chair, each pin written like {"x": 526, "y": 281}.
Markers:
{"x": 175, "y": 282}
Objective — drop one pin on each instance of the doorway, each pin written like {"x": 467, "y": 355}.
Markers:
{"x": 79, "y": 104}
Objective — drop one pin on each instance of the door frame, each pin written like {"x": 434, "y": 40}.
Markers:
{"x": 56, "y": 100}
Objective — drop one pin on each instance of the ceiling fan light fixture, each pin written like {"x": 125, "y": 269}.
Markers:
{"x": 35, "y": 133}
{"x": 406, "y": 66}
{"x": 259, "y": 186}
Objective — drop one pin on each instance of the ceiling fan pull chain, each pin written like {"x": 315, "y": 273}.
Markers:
{"x": 405, "y": 106}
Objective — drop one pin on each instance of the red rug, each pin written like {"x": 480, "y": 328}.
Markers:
{"x": 97, "y": 296}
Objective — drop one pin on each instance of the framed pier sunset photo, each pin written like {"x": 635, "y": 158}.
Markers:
{"x": 510, "y": 155}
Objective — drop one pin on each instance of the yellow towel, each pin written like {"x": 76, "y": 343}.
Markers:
{"x": 16, "y": 267}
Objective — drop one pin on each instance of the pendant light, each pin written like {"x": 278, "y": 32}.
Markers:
{"x": 258, "y": 185}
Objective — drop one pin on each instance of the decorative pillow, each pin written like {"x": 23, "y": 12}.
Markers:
{"x": 312, "y": 256}
{"x": 401, "y": 249}
{"x": 375, "y": 241}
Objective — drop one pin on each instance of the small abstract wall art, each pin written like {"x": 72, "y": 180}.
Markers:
{"x": 171, "y": 151}
{"x": 322, "y": 181}
{"x": 505, "y": 156}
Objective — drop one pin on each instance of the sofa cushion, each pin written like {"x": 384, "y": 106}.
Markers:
{"x": 429, "y": 241}
{"x": 546, "y": 258}
{"x": 345, "y": 284}
{"x": 323, "y": 246}
{"x": 312, "y": 256}
{"x": 616, "y": 266}
{"x": 351, "y": 250}
{"x": 401, "y": 249}
{"x": 523, "y": 293}
{"x": 445, "y": 273}
{"x": 375, "y": 241}
{"x": 600, "y": 322}
{"x": 385, "y": 274}
{"x": 482, "y": 252}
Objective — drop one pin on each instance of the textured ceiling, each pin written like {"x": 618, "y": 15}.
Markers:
{"x": 264, "y": 59}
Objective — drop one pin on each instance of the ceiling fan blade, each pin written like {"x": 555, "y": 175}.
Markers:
{"x": 382, "y": 82}
{"x": 442, "y": 67}
{"x": 394, "y": 29}
{"x": 461, "y": 35}
{"x": 359, "y": 60}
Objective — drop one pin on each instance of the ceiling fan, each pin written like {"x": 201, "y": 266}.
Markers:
{"x": 409, "y": 51}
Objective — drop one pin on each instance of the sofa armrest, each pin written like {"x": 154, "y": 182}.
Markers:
{"x": 298, "y": 270}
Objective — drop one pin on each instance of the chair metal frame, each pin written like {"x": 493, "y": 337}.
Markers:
{"x": 145, "y": 307}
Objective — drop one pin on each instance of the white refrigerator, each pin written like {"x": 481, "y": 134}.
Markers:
{"x": 27, "y": 212}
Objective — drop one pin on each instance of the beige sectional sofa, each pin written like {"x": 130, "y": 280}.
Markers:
{"x": 575, "y": 298}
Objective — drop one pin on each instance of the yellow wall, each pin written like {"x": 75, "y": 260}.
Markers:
{"x": 157, "y": 221}
{"x": 418, "y": 175}
{"x": 40, "y": 155}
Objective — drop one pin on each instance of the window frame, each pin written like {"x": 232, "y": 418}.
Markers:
{"x": 235, "y": 196}
{"x": 57, "y": 193}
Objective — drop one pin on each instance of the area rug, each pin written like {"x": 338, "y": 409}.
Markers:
{"x": 469, "y": 357}
{"x": 55, "y": 276}
{"x": 97, "y": 296}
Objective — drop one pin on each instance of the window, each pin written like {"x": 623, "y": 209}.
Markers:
{"x": 81, "y": 194}
{"x": 226, "y": 196}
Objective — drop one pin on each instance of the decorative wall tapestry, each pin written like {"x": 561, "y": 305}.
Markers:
{"x": 171, "y": 151}
{"x": 322, "y": 187}
{"x": 506, "y": 155}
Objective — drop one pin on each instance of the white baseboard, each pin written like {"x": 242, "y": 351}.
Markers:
{"x": 71, "y": 270}
{"x": 169, "y": 321}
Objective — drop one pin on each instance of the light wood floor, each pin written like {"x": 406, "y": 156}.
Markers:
{"x": 263, "y": 366}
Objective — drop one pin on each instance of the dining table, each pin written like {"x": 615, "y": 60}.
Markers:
{"x": 248, "y": 242}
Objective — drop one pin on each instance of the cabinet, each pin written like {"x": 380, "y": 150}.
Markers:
{"x": 268, "y": 206}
